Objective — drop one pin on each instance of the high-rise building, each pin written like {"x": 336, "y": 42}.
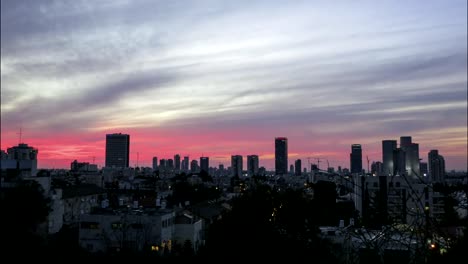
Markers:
{"x": 412, "y": 156}
{"x": 399, "y": 162}
{"x": 162, "y": 164}
{"x": 117, "y": 150}
{"x": 177, "y": 162}
{"x": 436, "y": 164}
{"x": 170, "y": 164}
{"x": 185, "y": 164}
{"x": 194, "y": 166}
{"x": 281, "y": 155}
{"x": 252, "y": 165}
{"x": 356, "y": 158}
{"x": 298, "y": 167}
{"x": 204, "y": 164}
{"x": 388, "y": 146}
{"x": 236, "y": 165}
{"x": 155, "y": 163}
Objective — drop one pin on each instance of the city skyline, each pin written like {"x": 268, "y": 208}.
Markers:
{"x": 218, "y": 79}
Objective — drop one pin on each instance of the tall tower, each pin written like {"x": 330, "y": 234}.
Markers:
{"x": 412, "y": 156}
{"x": 281, "y": 155}
{"x": 252, "y": 165}
{"x": 356, "y": 158}
{"x": 236, "y": 165}
{"x": 388, "y": 146}
{"x": 177, "y": 162}
{"x": 185, "y": 164}
{"x": 298, "y": 167}
{"x": 155, "y": 163}
{"x": 117, "y": 150}
{"x": 436, "y": 164}
{"x": 204, "y": 164}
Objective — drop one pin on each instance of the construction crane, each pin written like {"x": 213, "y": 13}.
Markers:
{"x": 367, "y": 157}
{"x": 316, "y": 158}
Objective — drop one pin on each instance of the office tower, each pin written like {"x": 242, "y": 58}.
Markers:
{"x": 298, "y": 167}
{"x": 170, "y": 164}
{"x": 194, "y": 166}
{"x": 204, "y": 164}
{"x": 117, "y": 150}
{"x": 412, "y": 156}
{"x": 291, "y": 169}
{"x": 436, "y": 164}
{"x": 399, "y": 162}
{"x": 177, "y": 162}
{"x": 236, "y": 165}
{"x": 252, "y": 165}
{"x": 356, "y": 158}
{"x": 155, "y": 163}
{"x": 281, "y": 155}
{"x": 162, "y": 164}
{"x": 185, "y": 166}
{"x": 388, "y": 146}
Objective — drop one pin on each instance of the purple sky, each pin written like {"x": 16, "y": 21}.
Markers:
{"x": 218, "y": 78}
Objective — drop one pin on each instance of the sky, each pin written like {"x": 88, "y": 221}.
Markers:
{"x": 220, "y": 78}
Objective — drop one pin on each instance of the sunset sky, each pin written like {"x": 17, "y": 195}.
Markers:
{"x": 218, "y": 78}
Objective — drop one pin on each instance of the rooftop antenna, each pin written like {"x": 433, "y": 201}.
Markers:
{"x": 138, "y": 155}
{"x": 20, "y": 135}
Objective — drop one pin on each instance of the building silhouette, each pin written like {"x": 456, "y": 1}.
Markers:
{"x": 117, "y": 150}
{"x": 436, "y": 164}
{"x": 356, "y": 158}
{"x": 204, "y": 164}
{"x": 252, "y": 165}
{"x": 236, "y": 165}
{"x": 177, "y": 162}
{"x": 155, "y": 163}
{"x": 388, "y": 146}
{"x": 298, "y": 167}
{"x": 281, "y": 156}
{"x": 411, "y": 155}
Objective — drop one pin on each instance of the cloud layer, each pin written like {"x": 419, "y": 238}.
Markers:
{"x": 213, "y": 78}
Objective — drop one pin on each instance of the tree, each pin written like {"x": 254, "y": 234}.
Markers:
{"x": 24, "y": 210}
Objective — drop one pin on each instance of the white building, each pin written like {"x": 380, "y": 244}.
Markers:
{"x": 128, "y": 229}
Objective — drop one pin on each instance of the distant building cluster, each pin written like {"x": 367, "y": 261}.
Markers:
{"x": 122, "y": 206}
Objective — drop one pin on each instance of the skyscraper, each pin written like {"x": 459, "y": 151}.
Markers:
{"x": 436, "y": 164}
{"x": 204, "y": 164}
{"x": 412, "y": 156}
{"x": 252, "y": 165}
{"x": 388, "y": 146}
{"x": 236, "y": 165}
{"x": 117, "y": 150}
{"x": 281, "y": 155}
{"x": 185, "y": 164}
{"x": 298, "y": 167}
{"x": 399, "y": 162}
{"x": 356, "y": 158}
{"x": 194, "y": 166}
{"x": 177, "y": 162}
{"x": 155, "y": 163}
